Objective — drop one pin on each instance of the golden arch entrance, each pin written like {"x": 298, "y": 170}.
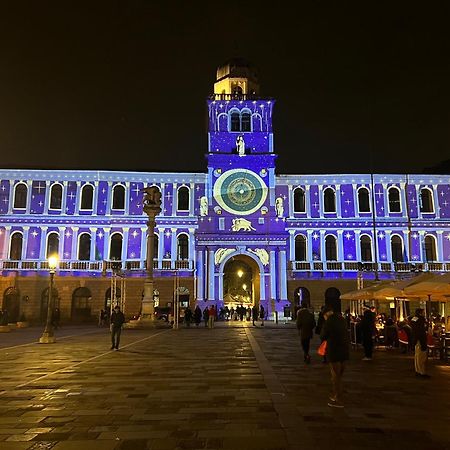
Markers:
{"x": 241, "y": 282}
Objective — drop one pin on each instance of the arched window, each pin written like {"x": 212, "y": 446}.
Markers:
{"x": 81, "y": 304}
{"x": 330, "y": 248}
{"x": 394, "y": 199}
{"x": 397, "y": 249}
{"x": 87, "y": 196}
{"x": 300, "y": 248}
{"x": 15, "y": 247}
{"x": 118, "y": 197}
{"x": 329, "y": 200}
{"x": 299, "y": 200}
{"x": 366, "y": 248}
{"x": 56, "y": 196}
{"x": 182, "y": 247}
{"x": 183, "y": 199}
{"x": 426, "y": 201}
{"x": 245, "y": 121}
{"x": 115, "y": 247}
{"x": 52, "y": 244}
{"x": 363, "y": 200}
{"x": 84, "y": 247}
{"x": 430, "y": 248}
{"x": 20, "y": 196}
{"x": 235, "y": 120}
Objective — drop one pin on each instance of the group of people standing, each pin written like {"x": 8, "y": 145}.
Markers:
{"x": 209, "y": 315}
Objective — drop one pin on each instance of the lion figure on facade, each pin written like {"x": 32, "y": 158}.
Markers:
{"x": 242, "y": 224}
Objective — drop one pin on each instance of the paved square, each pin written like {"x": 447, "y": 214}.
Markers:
{"x": 233, "y": 387}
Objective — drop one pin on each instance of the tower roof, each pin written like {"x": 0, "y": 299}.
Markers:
{"x": 237, "y": 68}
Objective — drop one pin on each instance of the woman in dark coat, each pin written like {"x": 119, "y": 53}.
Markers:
{"x": 197, "y": 315}
{"x": 206, "y": 316}
{"x": 335, "y": 332}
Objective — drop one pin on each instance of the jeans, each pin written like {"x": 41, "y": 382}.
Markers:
{"x": 115, "y": 336}
{"x": 305, "y": 347}
{"x": 337, "y": 370}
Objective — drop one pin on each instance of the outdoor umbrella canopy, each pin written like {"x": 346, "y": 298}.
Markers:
{"x": 438, "y": 287}
{"x": 367, "y": 293}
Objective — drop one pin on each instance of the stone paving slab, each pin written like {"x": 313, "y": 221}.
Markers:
{"x": 234, "y": 387}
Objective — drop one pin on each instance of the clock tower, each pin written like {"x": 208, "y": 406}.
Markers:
{"x": 240, "y": 216}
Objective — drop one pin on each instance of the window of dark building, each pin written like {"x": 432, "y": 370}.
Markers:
{"x": 15, "y": 249}
{"x": 300, "y": 248}
{"x": 52, "y": 244}
{"x": 118, "y": 197}
{"x": 246, "y": 122}
{"x": 430, "y": 248}
{"x": 366, "y": 248}
{"x": 115, "y": 247}
{"x": 235, "y": 121}
{"x": 397, "y": 249}
{"x": 84, "y": 247}
{"x": 183, "y": 199}
{"x": 330, "y": 248}
{"x": 182, "y": 247}
{"x": 363, "y": 200}
{"x": 329, "y": 203}
{"x": 299, "y": 200}
{"x": 56, "y": 196}
{"x": 426, "y": 201}
{"x": 394, "y": 200}
{"x": 87, "y": 197}
{"x": 20, "y": 196}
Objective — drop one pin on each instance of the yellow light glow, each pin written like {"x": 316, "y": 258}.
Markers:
{"x": 52, "y": 261}
{"x": 240, "y": 273}
{"x": 244, "y": 286}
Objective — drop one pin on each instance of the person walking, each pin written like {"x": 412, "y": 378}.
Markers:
{"x": 262, "y": 314}
{"x": 335, "y": 332}
{"x": 206, "y": 316}
{"x": 419, "y": 334}
{"x": 367, "y": 331}
{"x": 318, "y": 330}
{"x": 305, "y": 326}
{"x": 117, "y": 320}
{"x": 188, "y": 316}
{"x": 255, "y": 314}
{"x": 197, "y": 315}
{"x": 211, "y": 316}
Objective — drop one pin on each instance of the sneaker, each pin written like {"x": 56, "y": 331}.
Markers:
{"x": 367, "y": 359}
{"x": 116, "y": 349}
{"x": 112, "y": 348}
{"x": 335, "y": 404}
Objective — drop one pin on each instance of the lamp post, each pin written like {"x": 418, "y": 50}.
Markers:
{"x": 48, "y": 336}
{"x": 152, "y": 207}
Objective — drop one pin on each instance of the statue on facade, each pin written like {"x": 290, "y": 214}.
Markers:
{"x": 240, "y": 145}
{"x": 204, "y": 206}
{"x": 152, "y": 198}
{"x": 279, "y": 207}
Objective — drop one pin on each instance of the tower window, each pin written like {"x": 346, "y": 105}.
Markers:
{"x": 235, "y": 121}
{"x": 183, "y": 199}
{"x": 394, "y": 199}
{"x": 363, "y": 200}
{"x": 245, "y": 122}
{"x": 299, "y": 200}
{"x": 426, "y": 201}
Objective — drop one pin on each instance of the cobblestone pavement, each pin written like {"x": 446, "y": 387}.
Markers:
{"x": 233, "y": 387}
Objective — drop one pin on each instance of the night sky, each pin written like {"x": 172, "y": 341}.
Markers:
{"x": 123, "y": 85}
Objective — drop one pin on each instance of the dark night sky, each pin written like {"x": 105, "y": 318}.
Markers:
{"x": 122, "y": 85}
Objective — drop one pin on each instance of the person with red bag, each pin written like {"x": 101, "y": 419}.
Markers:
{"x": 335, "y": 333}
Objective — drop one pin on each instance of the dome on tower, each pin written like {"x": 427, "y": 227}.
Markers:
{"x": 237, "y": 78}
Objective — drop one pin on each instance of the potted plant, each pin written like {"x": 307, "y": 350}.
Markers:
{"x": 22, "y": 322}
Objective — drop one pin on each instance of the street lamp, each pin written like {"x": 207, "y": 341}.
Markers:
{"x": 48, "y": 336}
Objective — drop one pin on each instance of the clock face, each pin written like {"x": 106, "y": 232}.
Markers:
{"x": 240, "y": 191}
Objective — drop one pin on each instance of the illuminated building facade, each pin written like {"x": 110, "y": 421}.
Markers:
{"x": 292, "y": 236}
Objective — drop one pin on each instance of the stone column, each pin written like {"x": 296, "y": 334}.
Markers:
{"x": 403, "y": 195}
{"x": 4, "y": 254}
{"x": 61, "y": 231}
{"x": 355, "y": 199}
{"x": 323, "y": 255}
{"x": 191, "y": 247}
{"x": 108, "y": 199}
{"x": 282, "y": 275}
{"x": 191, "y": 199}
{"x": 358, "y": 246}
{"x": 77, "y": 199}
{"x": 309, "y": 246}
{"x": 440, "y": 246}
{"x": 11, "y": 195}
{"x": 273, "y": 274}
{"x": 436, "y": 200}
{"x": 152, "y": 207}
{"x": 385, "y": 200}
{"x": 124, "y": 255}
{"x": 291, "y": 200}
{"x": 387, "y": 237}
{"x": 106, "y": 243}
{"x": 338, "y": 201}
{"x": 200, "y": 275}
{"x": 127, "y": 198}
{"x": 47, "y": 196}
{"x": 74, "y": 254}
{"x": 64, "y": 198}
{"x": 29, "y": 194}
{"x": 173, "y": 248}
{"x": 42, "y": 247}
{"x": 321, "y": 202}
{"x": 25, "y": 242}
{"x": 422, "y": 255}
{"x": 93, "y": 231}
{"x": 340, "y": 245}
{"x": 292, "y": 256}
{"x": 406, "y": 246}
{"x": 307, "y": 200}
{"x": 211, "y": 279}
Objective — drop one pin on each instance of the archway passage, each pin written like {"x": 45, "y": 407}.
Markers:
{"x": 81, "y": 305}
{"x": 241, "y": 282}
{"x": 11, "y": 304}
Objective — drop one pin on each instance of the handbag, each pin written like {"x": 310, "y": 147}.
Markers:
{"x": 322, "y": 348}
